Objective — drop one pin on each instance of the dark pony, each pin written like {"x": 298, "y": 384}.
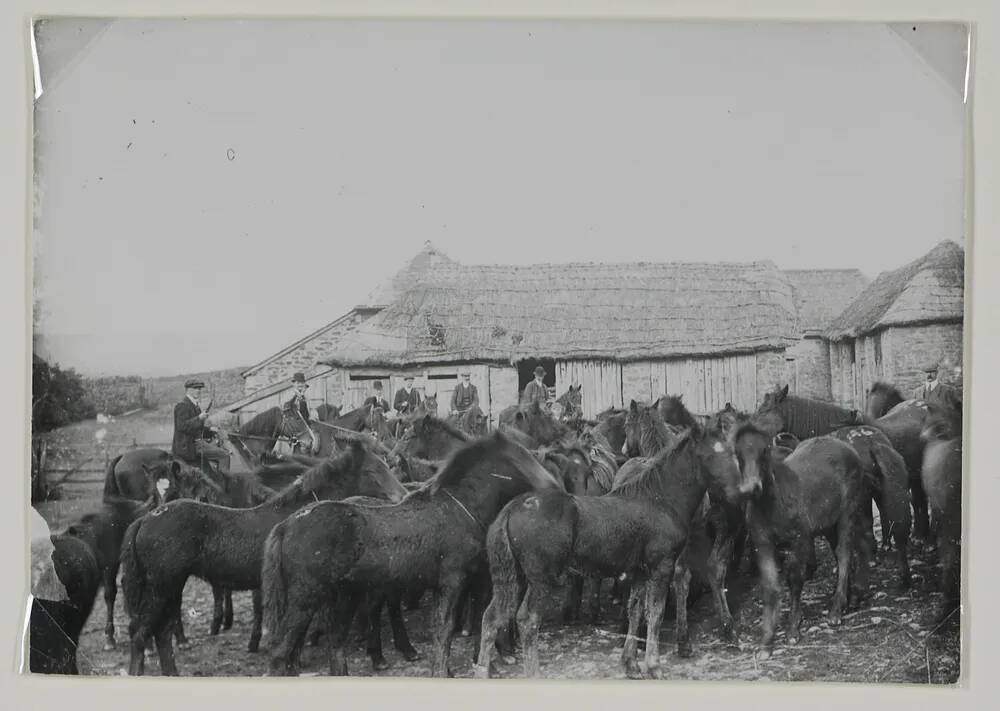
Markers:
{"x": 257, "y": 437}
{"x": 571, "y": 403}
{"x": 223, "y": 546}
{"x": 801, "y": 416}
{"x": 942, "y": 480}
{"x": 638, "y": 528}
{"x": 886, "y": 480}
{"x": 429, "y": 438}
{"x": 816, "y": 490}
{"x": 535, "y": 422}
{"x": 472, "y": 421}
{"x": 646, "y": 434}
{"x": 434, "y": 537}
{"x": 882, "y": 397}
{"x": 611, "y": 426}
{"x": 328, "y": 413}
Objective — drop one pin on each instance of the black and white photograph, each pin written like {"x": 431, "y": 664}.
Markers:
{"x": 511, "y": 349}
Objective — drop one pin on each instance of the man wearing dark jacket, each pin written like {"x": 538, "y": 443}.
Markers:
{"x": 535, "y": 391}
{"x": 934, "y": 391}
{"x": 190, "y": 432}
{"x": 298, "y": 400}
{"x": 377, "y": 398}
{"x": 465, "y": 394}
{"x": 407, "y": 399}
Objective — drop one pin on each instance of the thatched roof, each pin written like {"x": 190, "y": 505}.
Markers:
{"x": 428, "y": 258}
{"x": 822, "y": 294}
{"x": 616, "y": 311}
{"x": 927, "y": 290}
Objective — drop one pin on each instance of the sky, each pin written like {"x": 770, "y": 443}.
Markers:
{"x": 210, "y": 191}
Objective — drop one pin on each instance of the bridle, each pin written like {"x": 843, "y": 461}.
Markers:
{"x": 276, "y": 436}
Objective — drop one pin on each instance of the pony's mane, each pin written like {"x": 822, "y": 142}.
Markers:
{"x": 463, "y": 460}
{"x": 605, "y": 468}
{"x": 675, "y": 405}
{"x": 315, "y": 478}
{"x": 655, "y": 434}
{"x": 447, "y": 427}
{"x": 266, "y": 421}
{"x": 649, "y": 482}
{"x": 813, "y": 416}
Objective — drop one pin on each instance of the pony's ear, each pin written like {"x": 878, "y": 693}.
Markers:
{"x": 728, "y": 407}
{"x": 577, "y": 389}
{"x": 518, "y": 416}
{"x": 175, "y": 467}
{"x": 782, "y": 393}
{"x": 656, "y": 405}
{"x": 632, "y": 407}
{"x": 680, "y": 398}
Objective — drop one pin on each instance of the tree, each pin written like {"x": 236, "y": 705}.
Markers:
{"x": 58, "y": 397}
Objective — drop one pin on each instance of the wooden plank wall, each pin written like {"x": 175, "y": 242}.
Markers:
{"x": 601, "y": 381}
{"x": 503, "y": 392}
{"x": 707, "y": 384}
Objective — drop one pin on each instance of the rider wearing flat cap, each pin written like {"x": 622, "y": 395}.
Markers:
{"x": 191, "y": 434}
{"x": 535, "y": 391}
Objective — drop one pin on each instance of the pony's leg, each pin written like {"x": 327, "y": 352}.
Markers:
{"x": 447, "y": 598}
{"x": 771, "y": 593}
{"x": 592, "y": 591}
{"x": 498, "y": 614}
{"x": 218, "y": 599}
{"x": 634, "y": 610}
{"x": 682, "y": 587}
{"x": 950, "y": 552}
{"x": 373, "y": 606}
{"x": 795, "y": 565}
{"x": 258, "y": 618}
{"x": 227, "y": 619}
{"x": 574, "y": 600}
{"x": 110, "y": 593}
{"x": 165, "y": 648}
{"x": 718, "y": 571}
{"x": 138, "y": 634}
{"x": 400, "y": 638}
{"x": 842, "y": 543}
{"x": 339, "y": 629}
{"x": 529, "y": 618}
{"x": 411, "y": 599}
{"x": 177, "y": 624}
{"x": 921, "y": 520}
{"x": 287, "y": 639}
{"x": 656, "y": 600}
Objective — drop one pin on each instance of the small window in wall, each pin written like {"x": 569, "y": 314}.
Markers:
{"x": 368, "y": 377}
{"x": 852, "y": 351}
{"x": 442, "y": 376}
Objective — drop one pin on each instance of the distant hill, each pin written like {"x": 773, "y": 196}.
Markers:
{"x": 115, "y": 395}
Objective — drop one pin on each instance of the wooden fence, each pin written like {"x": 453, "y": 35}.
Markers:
{"x": 54, "y": 464}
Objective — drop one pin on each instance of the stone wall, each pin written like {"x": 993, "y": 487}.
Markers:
{"x": 771, "y": 370}
{"x": 912, "y": 347}
{"x": 303, "y": 357}
{"x": 809, "y": 368}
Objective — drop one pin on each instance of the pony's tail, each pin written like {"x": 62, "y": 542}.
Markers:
{"x": 893, "y": 482}
{"x": 505, "y": 570}
{"x": 133, "y": 573}
{"x": 274, "y": 585}
{"x": 111, "y": 489}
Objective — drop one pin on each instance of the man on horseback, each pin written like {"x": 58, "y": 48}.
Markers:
{"x": 407, "y": 399}
{"x": 191, "y": 435}
{"x": 535, "y": 391}
{"x": 378, "y": 400}
{"x": 936, "y": 392}
{"x": 298, "y": 400}
{"x": 465, "y": 395}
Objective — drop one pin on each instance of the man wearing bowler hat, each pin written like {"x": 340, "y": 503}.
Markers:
{"x": 377, "y": 398}
{"x": 407, "y": 399}
{"x": 298, "y": 400}
{"x": 191, "y": 434}
{"x": 535, "y": 391}
{"x": 935, "y": 392}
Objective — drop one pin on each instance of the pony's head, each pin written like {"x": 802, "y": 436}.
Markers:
{"x": 571, "y": 403}
{"x": 633, "y": 431}
{"x": 942, "y": 422}
{"x": 166, "y": 481}
{"x": 430, "y": 404}
{"x": 673, "y": 411}
{"x": 752, "y": 447}
{"x": 771, "y": 416}
{"x": 882, "y": 397}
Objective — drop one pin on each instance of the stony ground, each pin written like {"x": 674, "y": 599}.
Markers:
{"x": 891, "y": 639}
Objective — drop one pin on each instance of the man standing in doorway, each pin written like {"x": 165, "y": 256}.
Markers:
{"x": 191, "y": 434}
{"x": 535, "y": 391}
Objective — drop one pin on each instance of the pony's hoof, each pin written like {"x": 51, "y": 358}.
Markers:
{"x": 654, "y": 673}
{"x": 109, "y": 645}
{"x": 632, "y": 671}
{"x": 253, "y": 647}
{"x": 835, "y": 619}
{"x": 412, "y": 655}
{"x": 380, "y": 664}
{"x": 183, "y": 645}
{"x": 466, "y": 633}
{"x": 481, "y": 671}
{"x": 793, "y": 639}
{"x": 764, "y": 653}
{"x": 684, "y": 650}
{"x": 509, "y": 659}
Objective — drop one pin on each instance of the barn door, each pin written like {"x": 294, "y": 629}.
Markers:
{"x": 360, "y": 388}
{"x": 503, "y": 392}
{"x": 601, "y": 381}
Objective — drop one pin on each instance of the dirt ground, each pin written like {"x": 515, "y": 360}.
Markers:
{"x": 892, "y": 638}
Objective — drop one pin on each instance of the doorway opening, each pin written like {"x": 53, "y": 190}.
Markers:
{"x": 526, "y": 373}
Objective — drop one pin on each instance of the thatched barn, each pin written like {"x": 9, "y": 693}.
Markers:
{"x": 715, "y": 333}
{"x": 267, "y": 383}
{"x": 820, "y": 296}
{"x": 903, "y": 320}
